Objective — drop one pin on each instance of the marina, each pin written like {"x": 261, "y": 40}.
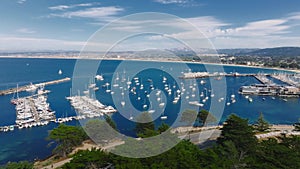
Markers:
{"x": 33, "y": 111}
{"x": 262, "y": 78}
{"x": 267, "y": 86}
{"x": 87, "y": 107}
{"x": 287, "y": 78}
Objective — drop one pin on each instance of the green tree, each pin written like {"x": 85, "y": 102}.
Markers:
{"x": 89, "y": 159}
{"x": 274, "y": 153}
{"x": 205, "y": 117}
{"x": 66, "y": 137}
{"x": 188, "y": 117}
{"x": 239, "y": 132}
{"x": 111, "y": 123}
{"x": 100, "y": 131}
{"x": 163, "y": 127}
{"x": 261, "y": 124}
{"x": 18, "y": 165}
{"x": 144, "y": 124}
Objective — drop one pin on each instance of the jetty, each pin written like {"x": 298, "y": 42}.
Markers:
{"x": 30, "y": 86}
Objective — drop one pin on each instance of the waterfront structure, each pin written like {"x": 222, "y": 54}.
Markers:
{"x": 271, "y": 90}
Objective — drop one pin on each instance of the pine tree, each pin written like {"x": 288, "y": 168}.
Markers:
{"x": 261, "y": 124}
{"x": 239, "y": 132}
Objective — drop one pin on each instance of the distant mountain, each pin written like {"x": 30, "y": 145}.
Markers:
{"x": 236, "y": 51}
{"x": 274, "y": 52}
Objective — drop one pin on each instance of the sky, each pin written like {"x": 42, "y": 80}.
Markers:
{"x": 69, "y": 24}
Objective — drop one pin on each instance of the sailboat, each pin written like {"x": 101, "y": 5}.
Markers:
{"x": 163, "y": 116}
{"x": 123, "y": 103}
{"x": 250, "y": 99}
{"x": 107, "y": 89}
{"x": 15, "y": 100}
{"x": 60, "y": 72}
{"x": 99, "y": 77}
{"x": 161, "y": 105}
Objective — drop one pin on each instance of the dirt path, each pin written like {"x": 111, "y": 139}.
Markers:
{"x": 85, "y": 146}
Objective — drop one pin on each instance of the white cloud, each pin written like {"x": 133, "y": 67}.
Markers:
{"x": 181, "y": 3}
{"x": 294, "y": 16}
{"x": 261, "y": 28}
{"x": 65, "y": 7}
{"x": 21, "y": 1}
{"x": 172, "y": 1}
{"x": 262, "y": 33}
{"x": 25, "y": 31}
{"x": 24, "y": 43}
{"x": 94, "y": 13}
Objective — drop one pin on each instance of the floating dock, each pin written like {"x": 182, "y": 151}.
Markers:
{"x": 286, "y": 79}
{"x": 262, "y": 78}
{"x": 27, "y": 87}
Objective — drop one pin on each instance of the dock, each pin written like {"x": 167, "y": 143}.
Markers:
{"x": 262, "y": 78}
{"x": 286, "y": 79}
{"x": 29, "y": 86}
{"x": 195, "y": 75}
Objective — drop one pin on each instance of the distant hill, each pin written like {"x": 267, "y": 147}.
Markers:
{"x": 236, "y": 51}
{"x": 274, "y": 52}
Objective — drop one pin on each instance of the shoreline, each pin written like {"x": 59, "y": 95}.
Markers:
{"x": 148, "y": 60}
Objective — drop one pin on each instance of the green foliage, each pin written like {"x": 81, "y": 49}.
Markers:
{"x": 297, "y": 125}
{"x": 261, "y": 124}
{"x": 66, "y": 137}
{"x": 205, "y": 117}
{"x": 163, "y": 127}
{"x": 100, "y": 131}
{"x": 239, "y": 132}
{"x": 188, "y": 117}
{"x": 111, "y": 123}
{"x": 144, "y": 125}
{"x": 183, "y": 155}
{"x": 94, "y": 158}
{"x": 147, "y": 133}
{"x": 18, "y": 165}
{"x": 236, "y": 148}
{"x": 273, "y": 153}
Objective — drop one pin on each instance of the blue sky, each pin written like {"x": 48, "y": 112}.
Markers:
{"x": 68, "y": 24}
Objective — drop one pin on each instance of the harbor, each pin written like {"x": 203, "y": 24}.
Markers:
{"x": 34, "y": 110}
{"x": 269, "y": 88}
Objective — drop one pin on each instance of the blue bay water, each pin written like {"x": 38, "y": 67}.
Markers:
{"x": 31, "y": 144}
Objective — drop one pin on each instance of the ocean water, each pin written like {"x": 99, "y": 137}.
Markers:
{"x": 31, "y": 144}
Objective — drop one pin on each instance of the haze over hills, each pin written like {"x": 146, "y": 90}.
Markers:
{"x": 266, "y": 52}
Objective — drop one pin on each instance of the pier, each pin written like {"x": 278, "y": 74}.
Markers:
{"x": 262, "y": 78}
{"x": 286, "y": 79}
{"x": 30, "y": 86}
